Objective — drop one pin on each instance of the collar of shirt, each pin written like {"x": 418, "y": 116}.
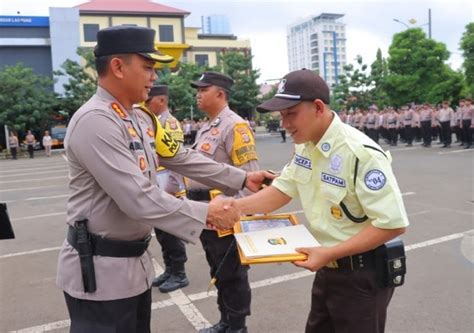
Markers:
{"x": 163, "y": 116}
{"x": 326, "y": 143}
{"x": 108, "y": 97}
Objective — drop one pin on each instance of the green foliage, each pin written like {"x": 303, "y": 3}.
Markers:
{"x": 243, "y": 96}
{"x": 82, "y": 82}
{"x": 417, "y": 70}
{"x": 355, "y": 88}
{"x": 26, "y": 99}
{"x": 181, "y": 94}
{"x": 467, "y": 47}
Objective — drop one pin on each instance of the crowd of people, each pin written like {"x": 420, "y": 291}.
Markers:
{"x": 418, "y": 123}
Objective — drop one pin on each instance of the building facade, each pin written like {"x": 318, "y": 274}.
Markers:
{"x": 215, "y": 24}
{"x": 44, "y": 43}
{"x": 318, "y": 43}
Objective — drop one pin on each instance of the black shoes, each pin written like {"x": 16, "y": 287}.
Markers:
{"x": 222, "y": 327}
{"x": 158, "y": 281}
{"x": 174, "y": 282}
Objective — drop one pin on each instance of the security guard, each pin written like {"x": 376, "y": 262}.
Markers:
{"x": 104, "y": 267}
{"x": 350, "y": 198}
{"x": 173, "y": 248}
{"x": 228, "y": 139}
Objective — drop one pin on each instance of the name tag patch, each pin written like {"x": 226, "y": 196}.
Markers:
{"x": 303, "y": 161}
{"x": 333, "y": 180}
{"x": 375, "y": 179}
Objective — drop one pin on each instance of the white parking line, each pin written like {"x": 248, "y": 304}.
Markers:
{"x": 456, "y": 151}
{"x": 48, "y": 168}
{"x": 34, "y": 173}
{"x": 193, "y": 314}
{"x": 39, "y": 198}
{"x": 29, "y": 188}
{"x": 37, "y": 216}
{"x": 32, "y": 179}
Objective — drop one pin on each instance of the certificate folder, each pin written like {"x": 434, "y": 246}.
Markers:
{"x": 267, "y": 239}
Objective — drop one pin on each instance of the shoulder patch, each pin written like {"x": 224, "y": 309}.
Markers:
{"x": 118, "y": 110}
{"x": 375, "y": 179}
{"x": 165, "y": 145}
{"x": 302, "y": 161}
{"x": 243, "y": 148}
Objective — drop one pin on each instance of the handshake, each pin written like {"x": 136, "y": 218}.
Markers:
{"x": 222, "y": 213}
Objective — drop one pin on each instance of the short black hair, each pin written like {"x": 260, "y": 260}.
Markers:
{"x": 102, "y": 63}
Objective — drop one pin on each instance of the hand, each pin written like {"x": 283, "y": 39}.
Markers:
{"x": 222, "y": 213}
{"x": 255, "y": 179}
{"x": 318, "y": 257}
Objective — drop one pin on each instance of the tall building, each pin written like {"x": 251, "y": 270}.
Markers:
{"x": 318, "y": 43}
{"x": 215, "y": 25}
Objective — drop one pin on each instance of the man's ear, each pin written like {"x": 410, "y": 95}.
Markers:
{"x": 319, "y": 104}
{"x": 116, "y": 67}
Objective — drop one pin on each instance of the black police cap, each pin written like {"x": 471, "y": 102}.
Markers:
{"x": 158, "y": 90}
{"x": 213, "y": 79}
{"x": 126, "y": 39}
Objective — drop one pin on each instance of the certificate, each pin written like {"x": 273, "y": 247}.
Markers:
{"x": 266, "y": 239}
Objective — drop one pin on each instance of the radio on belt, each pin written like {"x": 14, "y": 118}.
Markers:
{"x": 391, "y": 263}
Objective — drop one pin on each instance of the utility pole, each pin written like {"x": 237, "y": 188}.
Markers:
{"x": 429, "y": 23}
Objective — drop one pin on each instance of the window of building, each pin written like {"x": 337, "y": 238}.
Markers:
{"x": 90, "y": 32}
{"x": 201, "y": 59}
{"x": 166, "y": 33}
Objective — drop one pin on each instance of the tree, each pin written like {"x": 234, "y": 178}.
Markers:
{"x": 82, "y": 82}
{"x": 379, "y": 72}
{"x": 244, "y": 92}
{"x": 417, "y": 70}
{"x": 181, "y": 94}
{"x": 27, "y": 100}
{"x": 467, "y": 47}
{"x": 355, "y": 88}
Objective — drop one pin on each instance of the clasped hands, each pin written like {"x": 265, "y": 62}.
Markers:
{"x": 223, "y": 213}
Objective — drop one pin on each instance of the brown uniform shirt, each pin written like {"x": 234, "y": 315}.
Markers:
{"x": 112, "y": 163}
{"x": 217, "y": 140}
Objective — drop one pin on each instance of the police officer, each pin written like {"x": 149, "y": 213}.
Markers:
{"x": 173, "y": 249}
{"x": 351, "y": 199}
{"x": 104, "y": 267}
{"x": 467, "y": 114}
{"x": 425, "y": 121}
{"x": 446, "y": 115}
{"x": 372, "y": 118}
{"x": 227, "y": 138}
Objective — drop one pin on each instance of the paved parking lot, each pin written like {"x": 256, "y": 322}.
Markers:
{"x": 437, "y": 297}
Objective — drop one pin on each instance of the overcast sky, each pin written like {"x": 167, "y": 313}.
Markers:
{"x": 369, "y": 23}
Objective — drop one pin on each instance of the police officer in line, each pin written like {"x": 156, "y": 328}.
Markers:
{"x": 445, "y": 116}
{"x": 426, "y": 116}
{"x": 104, "y": 267}
{"x": 173, "y": 248}
{"x": 467, "y": 124}
{"x": 350, "y": 198}
{"x": 372, "y": 118}
{"x": 228, "y": 139}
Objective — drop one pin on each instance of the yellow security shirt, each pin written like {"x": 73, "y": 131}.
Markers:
{"x": 344, "y": 182}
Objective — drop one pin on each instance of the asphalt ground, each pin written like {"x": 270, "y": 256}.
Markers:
{"x": 437, "y": 296}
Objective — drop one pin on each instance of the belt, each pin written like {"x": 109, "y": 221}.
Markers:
{"x": 111, "y": 248}
{"x": 198, "y": 195}
{"x": 360, "y": 261}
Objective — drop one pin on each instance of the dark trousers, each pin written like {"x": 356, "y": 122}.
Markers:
{"x": 173, "y": 250}
{"x": 13, "y": 152}
{"x": 283, "y": 135}
{"x": 408, "y": 134}
{"x": 467, "y": 132}
{"x": 393, "y": 132}
{"x": 233, "y": 288}
{"x": 128, "y": 315}
{"x": 446, "y": 132}
{"x": 426, "y": 132}
{"x": 347, "y": 302}
{"x": 372, "y": 133}
{"x": 31, "y": 150}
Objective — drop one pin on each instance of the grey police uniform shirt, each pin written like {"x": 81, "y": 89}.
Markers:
{"x": 112, "y": 163}
{"x": 215, "y": 140}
